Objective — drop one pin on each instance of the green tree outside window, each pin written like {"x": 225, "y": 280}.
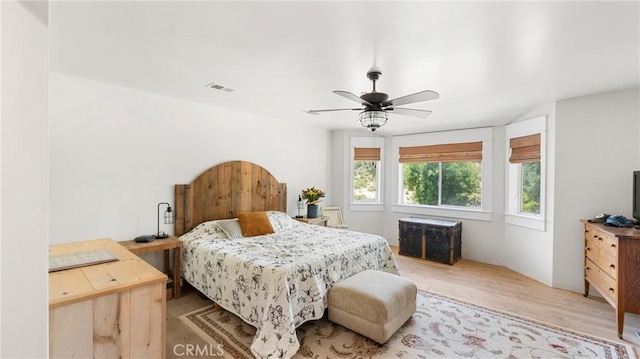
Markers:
{"x": 530, "y": 199}
{"x": 364, "y": 181}
{"x": 461, "y": 184}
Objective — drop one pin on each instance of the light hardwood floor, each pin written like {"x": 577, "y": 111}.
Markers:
{"x": 473, "y": 282}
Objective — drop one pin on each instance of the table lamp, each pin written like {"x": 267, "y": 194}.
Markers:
{"x": 168, "y": 219}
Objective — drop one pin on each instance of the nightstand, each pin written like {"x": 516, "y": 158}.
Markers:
{"x": 166, "y": 245}
{"x": 320, "y": 221}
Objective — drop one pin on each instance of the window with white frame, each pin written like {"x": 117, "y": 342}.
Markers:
{"x": 366, "y": 171}
{"x": 442, "y": 175}
{"x": 525, "y": 173}
{"x": 445, "y": 173}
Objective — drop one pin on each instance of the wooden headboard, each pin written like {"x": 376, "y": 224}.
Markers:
{"x": 224, "y": 190}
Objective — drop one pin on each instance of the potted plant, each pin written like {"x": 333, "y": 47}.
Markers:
{"x": 312, "y": 196}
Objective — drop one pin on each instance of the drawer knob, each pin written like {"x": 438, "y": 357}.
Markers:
{"x": 613, "y": 245}
{"x": 588, "y": 249}
{"x": 611, "y": 290}
{"x": 586, "y": 268}
{"x": 599, "y": 238}
{"x": 612, "y": 266}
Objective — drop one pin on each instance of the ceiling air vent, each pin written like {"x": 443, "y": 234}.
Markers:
{"x": 217, "y": 86}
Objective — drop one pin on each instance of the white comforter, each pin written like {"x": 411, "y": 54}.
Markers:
{"x": 277, "y": 282}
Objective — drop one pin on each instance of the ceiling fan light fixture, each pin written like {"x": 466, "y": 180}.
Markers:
{"x": 375, "y": 104}
{"x": 373, "y": 120}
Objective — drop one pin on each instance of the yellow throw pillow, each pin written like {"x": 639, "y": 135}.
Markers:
{"x": 254, "y": 224}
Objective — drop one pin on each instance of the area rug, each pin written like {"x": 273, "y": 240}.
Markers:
{"x": 441, "y": 328}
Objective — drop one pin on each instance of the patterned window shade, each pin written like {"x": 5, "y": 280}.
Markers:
{"x": 452, "y": 152}
{"x": 525, "y": 149}
{"x": 366, "y": 154}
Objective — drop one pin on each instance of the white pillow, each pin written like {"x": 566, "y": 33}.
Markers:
{"x": 206, "y": 230}
{"x": 231, "y": 227}
{"x": 280, "y": 220}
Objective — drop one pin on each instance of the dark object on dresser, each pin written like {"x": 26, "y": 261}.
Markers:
{"x": 145, "y": 238}
{"x": 431, "y": 239}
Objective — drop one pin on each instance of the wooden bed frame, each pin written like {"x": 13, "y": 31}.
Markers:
{"x": 224, "y": 190}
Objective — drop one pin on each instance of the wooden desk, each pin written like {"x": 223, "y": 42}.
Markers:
{"x": 166, "y": 245}
{"x": 319, "y": 221}
{"x": 114, "y": 309}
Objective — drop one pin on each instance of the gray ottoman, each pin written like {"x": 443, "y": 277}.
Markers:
{"x": 373, "y": 303}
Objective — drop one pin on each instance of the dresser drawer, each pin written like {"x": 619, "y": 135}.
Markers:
{"x": 602, "y": 240}
{"x": 606, "y": 285}
{"x": 603, "y": 259}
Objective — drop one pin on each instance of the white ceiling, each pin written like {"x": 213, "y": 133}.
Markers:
{"x": 491, "y": 62}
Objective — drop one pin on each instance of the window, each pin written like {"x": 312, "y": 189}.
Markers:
{"x": 366, "y": 173}
{"x": 445, "y": 174}
{"x": 525, "y": 172}
{"x": 530, "y": 188}
{"x": 525, "y": 154}
{"x": 442, "y": 175}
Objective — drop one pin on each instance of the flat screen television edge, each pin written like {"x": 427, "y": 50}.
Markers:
{"x": 636, "y": 195}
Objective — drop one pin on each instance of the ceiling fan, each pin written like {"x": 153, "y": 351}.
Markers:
{"x": 376, "y": 105}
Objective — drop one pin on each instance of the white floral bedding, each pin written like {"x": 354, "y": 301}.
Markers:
{"x": 277, "y": 282}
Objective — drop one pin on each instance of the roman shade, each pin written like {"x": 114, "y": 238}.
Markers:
{"x": 525, "y": 149}
{"x": 366, "y": 154}
{"x": 451, "y": 152}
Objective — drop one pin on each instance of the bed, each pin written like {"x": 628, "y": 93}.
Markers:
{"x": 274, "y": 282}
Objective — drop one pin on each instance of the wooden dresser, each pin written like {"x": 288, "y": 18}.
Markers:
{"x": 109, "y": 310}
{"x": 612, "y": 267}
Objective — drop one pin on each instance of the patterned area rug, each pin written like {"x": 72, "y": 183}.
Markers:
{"x": 441, "y": 328}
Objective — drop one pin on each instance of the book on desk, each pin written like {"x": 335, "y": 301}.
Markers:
{"x": 80, "y": 259}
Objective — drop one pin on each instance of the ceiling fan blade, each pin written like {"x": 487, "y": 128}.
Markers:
{"x": 314, "y": 112}
{"x": 421, "y": 96}
{"x": 352, "y": 97}
{"x": 408, "y": 112}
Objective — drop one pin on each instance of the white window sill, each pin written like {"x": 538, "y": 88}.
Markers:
{"x": 525, "y": 221}
{"x": 366, "y": 207}
{"x": 460, "y": 213}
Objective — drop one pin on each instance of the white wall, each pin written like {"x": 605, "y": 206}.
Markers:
{"x": 116, "y": 153}
{"x": 1, "y": 177}
{"x": 339, "y": 170}
{"x": 23, "y": 176}
{"x": 596, "y": 153}
{"x": 529, "y": 251}
{"x": 592, "y": 149}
